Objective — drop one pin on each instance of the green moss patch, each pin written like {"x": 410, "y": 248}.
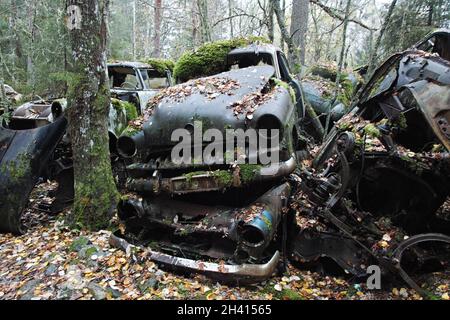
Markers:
{"x": 130, "y": 109}
{"x": 323, "y": 78}
{"x": 267, "y": 222}
{"x": 284, "y": 294}
{"x": 161, "y": 65}
{"x": 130, "y": 131}
{"x": 328, "y": 72}
{"x": 248, "y": 172}
{"x": 401, "y": 122}
{"x": 16, "y": 169}
{"x": 79, "y": 243}
{"x": 372, "y": 131}
{"x": 223, "y": 177}
{"x": 286, "y": 85}
{"x": 209, "y": 59}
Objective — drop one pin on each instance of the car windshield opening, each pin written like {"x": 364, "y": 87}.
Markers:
{"x": 123, "y": 78}
{"x": 241, "y": 61}
{"x": 154, "y": 80}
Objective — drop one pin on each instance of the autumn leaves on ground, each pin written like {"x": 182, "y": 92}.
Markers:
{"x": 49, "y": 50}
{"x": 54, "y": 262}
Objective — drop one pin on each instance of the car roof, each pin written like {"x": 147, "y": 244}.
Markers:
{"x": 437, "y": 32}
{"x": 130, "y": 64}
{"x": 256, "y": 49}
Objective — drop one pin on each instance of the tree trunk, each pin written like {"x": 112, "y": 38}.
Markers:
{"x": 283, "y": 16}
{"x": 230, "y": 13}
{"x": 374, "y": 53}
{"x": 402, "y": 42}
{"x": 133, "y": 31}
{"x": 317, "y": 39}
{"x": 270, "y": 23}
{"x": 158, "y": 20}
{"x": 299, "y": 28}
{"x": 194, "y": 21}
{"x": 32, "y": 29}
{"x": 148, "y": 39}
{"x": 284, "y": 33}
{"x": 88, "y": 108}
{"x": 344, "y": 43}
{"x": 3, "y": 99}
{"x": 341, "y": 62}
{"x": 17, "y": 47}
{"x": 204, "y": 20}
{"x": 430, "y": 13}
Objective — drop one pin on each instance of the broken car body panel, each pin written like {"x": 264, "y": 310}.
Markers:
{"x": 226, "y": 212}
{"x": 242, "y": 274}
{"x": 36, "y": 130}
{"x": 136, "y": 82}
{"x": 433, "y": 100}
{"x": 392, "y": 145}
{"x": 24, "y": 156}
{"x": 182, "y": 228}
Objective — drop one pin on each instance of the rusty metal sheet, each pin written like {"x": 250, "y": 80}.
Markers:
{"x": 24, "y": 156}
{"x": 241, "y": 274}
{"x": 434, "y": 101}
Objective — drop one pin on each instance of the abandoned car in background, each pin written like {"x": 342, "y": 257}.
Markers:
{"x": 11, "y": 94}
{"x": 137, "y": 82}
{"x": 376, "y": 188}
{"x": 34, "y": 144}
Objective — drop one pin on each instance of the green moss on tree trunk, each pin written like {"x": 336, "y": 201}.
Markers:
{"x": 88, "y": 107}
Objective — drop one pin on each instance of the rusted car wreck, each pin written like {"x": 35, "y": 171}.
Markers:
{"x": 35, "y": 146}
{"x": 375, "y": 192}
{"x": 374, "y": 189}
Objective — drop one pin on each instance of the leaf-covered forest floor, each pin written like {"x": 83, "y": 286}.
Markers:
{"x": 53, "y": 262}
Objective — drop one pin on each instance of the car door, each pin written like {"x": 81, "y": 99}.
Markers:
{"x": 286, "y": 77}
{"x": 153, "y": 83}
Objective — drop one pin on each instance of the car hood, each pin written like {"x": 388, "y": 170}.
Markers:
{"x": 220, "y": 102}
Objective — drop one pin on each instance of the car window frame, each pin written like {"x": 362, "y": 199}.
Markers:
{"x": 284, "y": 63}
{"x": 146, "y": 87}
{"x": 136, "y": 74}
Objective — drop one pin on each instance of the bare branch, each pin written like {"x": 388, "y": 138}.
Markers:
{"x": 235, "y": 16}
{"x": 332, "y": 13}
